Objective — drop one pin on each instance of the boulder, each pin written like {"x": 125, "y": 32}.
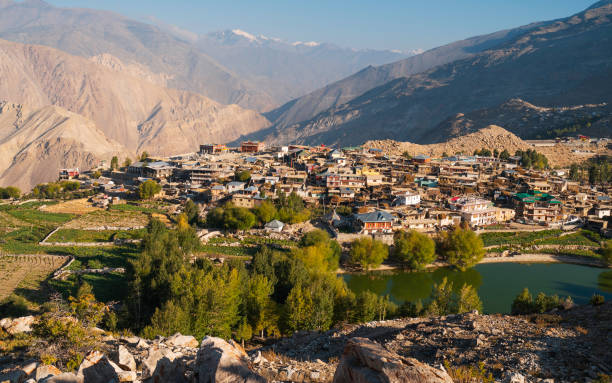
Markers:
{"x": 97, "y": 368}
{"x": 163, "y": 365}
{"x": 223, "y": 362}
{"x": 513, "y": 377}
{"x": 178, "y": 340}
{"x": 17, "y": 325}
{"x": 125, "y": 359}
{"x": 366, "y": 361}
{"x": 46, "y": 371}
{"x": 66, "y": 377}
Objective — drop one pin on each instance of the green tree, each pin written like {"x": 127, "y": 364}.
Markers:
{"x": 368, "y": 252}
{"x": 265, "y": 212}
{"x": 441, "y": 300}
{"x": 127, "y": 162}
{"x": 192, "y": 212}
{"x": 148, "y": 189}
{"x": 144, "y": 156}
{"x": 468, "y": 300}
{"x": 114, "y": 164}
{"x": 461, "y": 248}
{"x": 416, "y": 249}
{"x": 10, "y": 192}
{"x": 504, "y": 155}
{"x": 96, "y": 174}
{"x": 574, "y": 172}
{"x": 242, "y": 176}
{"x": 237, "y": 218}
{"x": 523, "y": 303}
{"x": 244, "y": 331}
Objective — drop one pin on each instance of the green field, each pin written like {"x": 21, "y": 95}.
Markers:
{"x": 75, "y": 235}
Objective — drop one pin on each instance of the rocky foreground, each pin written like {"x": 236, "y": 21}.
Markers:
{"x": 566, "y": 346}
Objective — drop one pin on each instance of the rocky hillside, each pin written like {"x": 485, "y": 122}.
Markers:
{"x": 567, "y": 62}
{"x": 34, "y": 141}
{"x": 570, "y": 345}
{"x": 126, "y": 109}
{"x": 337, "y": 93}
{"x": 530, "y": 121}
{"x": 491, "y": 137}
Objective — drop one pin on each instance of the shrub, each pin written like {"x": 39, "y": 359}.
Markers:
{"x": 148, "y": 189}
{"x": 597, "y": 299}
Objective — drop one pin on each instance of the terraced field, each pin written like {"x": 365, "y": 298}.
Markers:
{"x": 26, "y": 273}
{"x": 109, "y": 218}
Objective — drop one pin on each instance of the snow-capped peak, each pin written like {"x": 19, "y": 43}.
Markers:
{"x": 306, "y": 43}
{"x": 244, "y": 34}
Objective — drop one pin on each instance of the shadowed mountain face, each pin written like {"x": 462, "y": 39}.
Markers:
{"x": 340, "y": 92}
{"x": 566, "y": 62}
{"x": 231, "y": 67}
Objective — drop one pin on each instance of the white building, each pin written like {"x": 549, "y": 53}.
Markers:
{"x": 407, "y": 199}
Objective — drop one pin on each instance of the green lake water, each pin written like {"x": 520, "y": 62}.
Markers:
{"x": 497, "y": 283}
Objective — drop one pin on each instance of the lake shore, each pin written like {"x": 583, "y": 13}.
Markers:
{"x": 521, "y": 258}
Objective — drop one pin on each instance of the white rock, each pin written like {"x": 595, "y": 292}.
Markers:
{"x": 179, "y": 340}
{"x": 125, "y": 359}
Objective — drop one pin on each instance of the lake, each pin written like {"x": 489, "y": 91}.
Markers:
{"x": 497, "y": 283}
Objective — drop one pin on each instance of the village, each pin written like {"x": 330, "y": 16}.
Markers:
{"x": 365, "y": 191}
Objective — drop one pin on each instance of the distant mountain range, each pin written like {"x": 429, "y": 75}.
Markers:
{"x": 555, "y": 63}
{"x": 231, "y": 67}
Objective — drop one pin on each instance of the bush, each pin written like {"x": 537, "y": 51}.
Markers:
{"x": 525, "y": 304}
{"x": 148, "y": 189}
{"x": 606, "y": 252}
{"x": 597, "y": 299}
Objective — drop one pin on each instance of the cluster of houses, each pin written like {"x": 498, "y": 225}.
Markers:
{"x": 368, "y": 191}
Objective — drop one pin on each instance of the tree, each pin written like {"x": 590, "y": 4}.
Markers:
{"x": 406, "y": 155}
{"x": 148, "y": 189}
{"x": 414, "y": 248}
{"x": 504, "y": 155}
{"x": 265, "y": 212}
{"x": 441, "y": 300}
{"x": 574, "y": 172}
{"x": 495, "y": 153}
{"x": 10, "y": 192}
{"x": 192, "y": 212}
{"x": 127, "y": 162}
{"x": 244, "y": 331}
{"x": 523, "y": 303}
{"x": 468, "y": 300}
{"x": 368, "y": 252}
{"x": 461, "y": 248}
{"x": 144, "y": 156}
{"x": 114, "y": 163}
{"x": 242, "y": 176}
{"x": 96, "y": 174}
{"x": 237, "y": 218}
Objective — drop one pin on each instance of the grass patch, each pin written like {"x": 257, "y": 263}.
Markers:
{"x": 519, "y": 237}
{"x": 83, "y": 236}
{"x": 239, "y": 251}
{"x": 582, "y": 238}
{"x": 106, "y": 287}
{"x": 136, "y": 208}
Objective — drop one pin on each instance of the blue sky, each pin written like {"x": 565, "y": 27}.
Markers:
{"x": 379, "y": 24}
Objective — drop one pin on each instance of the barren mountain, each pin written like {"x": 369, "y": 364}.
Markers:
{"x": 567, "y": 62}
{"x": 530, "y": 121}
{"x": 120, "y": 108}
{"x": 340, "y": 92}
{"x": 130, "y": 110}
{"x": 35, "y": 144}
{"x": 231, "y": 67}
{"x": 88, "y": 33}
